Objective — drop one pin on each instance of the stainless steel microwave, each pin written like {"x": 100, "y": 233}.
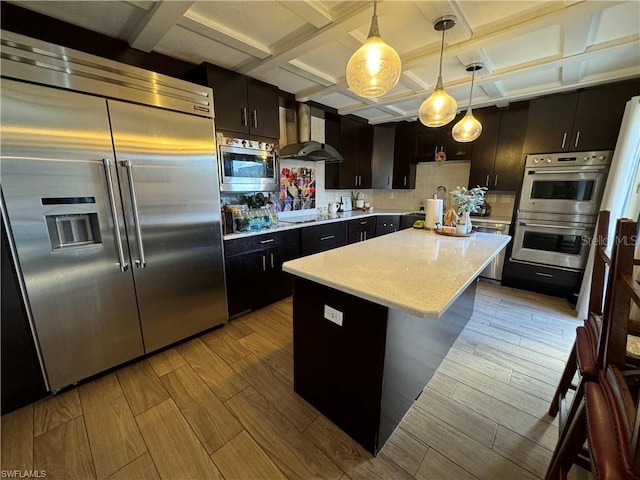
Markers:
{"x": 247, "y": 165}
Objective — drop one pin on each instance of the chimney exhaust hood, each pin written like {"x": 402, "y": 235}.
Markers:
{"x": 306, "y": 149}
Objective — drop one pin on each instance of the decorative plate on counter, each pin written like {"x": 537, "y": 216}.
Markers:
{"x": 453, "y": 234}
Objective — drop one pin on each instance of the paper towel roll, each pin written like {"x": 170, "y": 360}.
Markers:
{"x": 434, "y": 213}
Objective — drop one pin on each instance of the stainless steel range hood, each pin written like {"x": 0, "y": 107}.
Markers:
{"x": 306, "y": 149}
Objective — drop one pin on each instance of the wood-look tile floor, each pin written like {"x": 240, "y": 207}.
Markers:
{"x": 222, "y": 406}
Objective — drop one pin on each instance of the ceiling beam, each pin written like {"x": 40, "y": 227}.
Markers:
{"x": 156, "y": 23}
{"x": 302, "y": 42}
{"x": 218, "y": 32}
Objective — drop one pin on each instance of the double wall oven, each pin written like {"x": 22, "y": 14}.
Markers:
{"x": 558, "y": 208}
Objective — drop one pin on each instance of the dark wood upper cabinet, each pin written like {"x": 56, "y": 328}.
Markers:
{"x": 580, "y": 121}
{"x": 484, "y": 150}
{"x": 393, "y": 161}
{"x": 498, "y": 161}
{"x": 404, "y": 164}
{"x": 429, "y": 141}
{"x": 356, "y": 145}
{"x": 242, "y": 104}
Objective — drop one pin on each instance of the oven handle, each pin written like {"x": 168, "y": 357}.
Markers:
{"x": 584, "y": 170}
{"x": 542, "y": 225}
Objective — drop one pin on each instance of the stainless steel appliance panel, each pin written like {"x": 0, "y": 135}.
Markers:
{"x": 569, "y": 183}
{"x": 494, "y": 270}
{"x": 247, "y": 165}
{"x": 61, "y": 213}
{"x": 548, "y": 240}
{"x": 167, "y": 171}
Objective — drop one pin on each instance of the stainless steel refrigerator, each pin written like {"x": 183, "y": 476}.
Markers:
{"x": 114, "y": 212}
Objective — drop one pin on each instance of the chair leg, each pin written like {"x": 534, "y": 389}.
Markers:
{"x": 565, "y": 382}
{"x": 569, "y": 446}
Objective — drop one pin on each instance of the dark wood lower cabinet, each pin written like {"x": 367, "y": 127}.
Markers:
{"x": 546, "y": 280}
{"x": 387, "y": 224}
{"x": 254, "y": 270}
{"x": 365, "y": 374}
{"x": 361, "y": 229}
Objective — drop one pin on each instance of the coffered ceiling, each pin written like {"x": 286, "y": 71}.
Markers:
{"x": 528, "y": 48}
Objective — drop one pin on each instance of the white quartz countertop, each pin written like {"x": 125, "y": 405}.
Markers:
{"x": 416, "y": 271}
{"x": 342, "y": 216}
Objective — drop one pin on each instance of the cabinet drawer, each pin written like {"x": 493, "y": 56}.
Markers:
{"x": 323, "y": 237}
{"x": 259, "y": 242}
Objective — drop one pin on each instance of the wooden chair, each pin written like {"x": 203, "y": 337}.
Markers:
{"x": 584, "y": 353}
{"x": 607, "y": 412}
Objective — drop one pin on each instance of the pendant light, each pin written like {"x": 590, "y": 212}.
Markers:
{"x": 469, "y": 128}
{"x": 440, "y": 108}
{"x": 375, "y": 67}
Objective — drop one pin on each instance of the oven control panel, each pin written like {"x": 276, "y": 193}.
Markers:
{"x": 569, "y": 159}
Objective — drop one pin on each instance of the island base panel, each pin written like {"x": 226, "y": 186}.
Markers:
{"x": 415, "y": 347}
{"x": 365, "y": 374}
{"x": 338, "y": 369}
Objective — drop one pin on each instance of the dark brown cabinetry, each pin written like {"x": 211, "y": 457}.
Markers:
{"x": 354, "y": 140}
{"x": 254, "y": 269}
{"x": 497, "y": 159}
{"x": 580, "y": 121}
{"x": 242, "y": 104}
{"x": 393, "y": 164}
{"x": 429, "y": 141}
{"x": 361, "y": 229}
{"x": 320, "y": 238}
{"x": 387, "y": 224}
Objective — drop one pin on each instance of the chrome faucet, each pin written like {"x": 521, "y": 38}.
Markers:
{"x": 444, "y": 198}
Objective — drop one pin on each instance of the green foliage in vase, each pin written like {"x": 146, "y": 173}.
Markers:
{"x": 467, "y": 201}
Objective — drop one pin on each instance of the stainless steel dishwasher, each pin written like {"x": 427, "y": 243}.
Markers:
{"x": 494, "y": 269}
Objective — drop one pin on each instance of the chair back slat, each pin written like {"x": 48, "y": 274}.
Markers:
{"x": 600, "y": 262}
{"x": 613, "y": 338}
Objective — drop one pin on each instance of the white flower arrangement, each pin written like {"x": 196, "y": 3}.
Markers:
{"x": 467, "y": 201}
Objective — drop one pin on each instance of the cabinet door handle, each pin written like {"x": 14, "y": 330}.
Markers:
{"x": 577, "y": 139}
{"x": 272, "y": 264}
{"x": 486, "y": 184}
{"x": 328, "y": 237}
{"x": 564, "y": 140}
{"x": 264, "y": 263}
{"x": 405, "y": 180}
{"x": 269, "y": 240}
{"x": 254, "y": 118}
{"x": 355, "y": 181}
{"x": 495, "y": 181}
{"x": 388, "y": 180}
{"x": 244, "y": 120}
{"x": 363, "y": 223}
{"x": 365, "y": 234}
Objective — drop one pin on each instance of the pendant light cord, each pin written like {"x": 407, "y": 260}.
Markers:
{"x": 473, "y": 76}
{"x": 441, "y": 53}
{"x": 374, "y": 31}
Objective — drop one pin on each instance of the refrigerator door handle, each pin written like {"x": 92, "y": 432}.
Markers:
{"x": 114, "y": 213}
{"x": 141, "y": 262}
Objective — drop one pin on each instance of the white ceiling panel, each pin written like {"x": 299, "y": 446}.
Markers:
{"x": 531, "y": 81}
{"x": 265, "y": 22}
{"x": 115, "y": 19}
{"x": 192, "y": 47}
{"x": 530, "y": 48}
{"x": 542, "y": 43}
{"x": 287, "y": 81}
{"x": 618, "y": 21}
{"x": 330, "y": 58}
{"x": 604, "y": 64}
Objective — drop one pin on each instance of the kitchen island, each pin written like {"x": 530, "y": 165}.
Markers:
{"x": 372, "y": 322}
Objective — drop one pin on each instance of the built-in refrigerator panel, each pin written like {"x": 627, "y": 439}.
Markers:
{"x": 56, "y": 185}
{"x": 167, "y": 169}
